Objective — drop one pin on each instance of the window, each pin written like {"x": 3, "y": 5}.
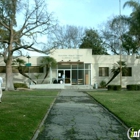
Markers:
{"x": 63, "y": 66}
{"x": 32, "y": 69}
{"x": 127, "y": 71}
{"x": 2, "y": 69}
{"x": 25, "y": 69}
{"x": 36, "y": 69}
{"x": 80, "y": 66}
{"x": 103, "y": 71}
{"x": 15, "y": 69}
{"x": 74, "y": 66}
{"x": 87, "y": 66}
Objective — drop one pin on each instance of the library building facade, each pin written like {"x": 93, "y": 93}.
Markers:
{"x": 79, "y": 67}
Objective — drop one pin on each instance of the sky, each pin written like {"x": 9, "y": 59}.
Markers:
{"x": 86, "y": 13}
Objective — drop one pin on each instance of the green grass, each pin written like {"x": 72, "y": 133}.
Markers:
{"x": 124, "y": 104}
{"x": 21, "y": 112}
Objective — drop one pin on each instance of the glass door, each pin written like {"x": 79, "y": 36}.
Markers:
{"x": 74, "y": 77}
{"x": 60, "y": 76}
{"x": 67, "y": 76}
{"x": 64, "y": 76}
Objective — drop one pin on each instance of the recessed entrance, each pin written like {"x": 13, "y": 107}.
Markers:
{"x": 74, "y": 73}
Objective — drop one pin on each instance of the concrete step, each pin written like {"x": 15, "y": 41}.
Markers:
{"x": 78, "y": 87}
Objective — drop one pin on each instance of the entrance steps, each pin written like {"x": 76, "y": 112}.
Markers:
{"x": 60, "y": 86}
{"x": 78, "y": 87}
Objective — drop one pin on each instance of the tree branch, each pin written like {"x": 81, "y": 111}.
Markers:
{"x": 6, "y": 26}
{"x": 23, "y": 47}
{"x": 41, "y": 51}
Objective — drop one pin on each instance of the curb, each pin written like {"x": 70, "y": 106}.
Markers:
{"x": 42, "y": 122}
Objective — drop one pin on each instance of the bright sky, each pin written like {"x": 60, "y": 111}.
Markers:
{"x": 86, "y": 13}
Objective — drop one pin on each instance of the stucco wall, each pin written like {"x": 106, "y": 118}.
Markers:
{"x": 108, "y": 61}
{"x": 85, "y": 55}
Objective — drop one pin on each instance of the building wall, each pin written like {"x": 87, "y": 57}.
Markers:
{"x": 85, "y": 55}
{"x": 17, "y": 77}
{"x": 74, "y": 55}
{"x": 108, "y": 61}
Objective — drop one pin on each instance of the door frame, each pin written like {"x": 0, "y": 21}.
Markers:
{"x": 64, "y": 70}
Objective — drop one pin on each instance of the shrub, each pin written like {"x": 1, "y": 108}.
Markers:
{"x": 114, "y": 87}
{"x": 138, "y": 87}
{"x": 20, "y": 85}
{"x": 102, "y": 84}
{"x": 133, "y": 87}
{"x": 117, "y": 87}
{"x": 110, "y": 87}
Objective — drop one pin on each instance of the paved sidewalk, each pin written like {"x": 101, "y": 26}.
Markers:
{"x": 76, "y": 116}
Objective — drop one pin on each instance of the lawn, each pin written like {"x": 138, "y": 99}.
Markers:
{"x": 124, "y": 104}
{"x": 21, "y": 112}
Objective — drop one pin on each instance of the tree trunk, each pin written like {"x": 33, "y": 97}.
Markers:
{"x": 22, "y": 73}
{"x": 9, "y": 74}
{"x": 47, "y": 72}
{"x": 114, "y": 75}
{"x": 9, "y": 59}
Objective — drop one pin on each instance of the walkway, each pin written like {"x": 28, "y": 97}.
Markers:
{"x": 76, "y": 116}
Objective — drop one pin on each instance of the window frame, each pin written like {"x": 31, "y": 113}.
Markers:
{"x": 103, "y": 71}
{"x": 129, "y": 74}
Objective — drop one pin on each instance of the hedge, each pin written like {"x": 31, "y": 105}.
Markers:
{"x": 114, "y": 87}
{"x": 133, "y": 87}
{"x": 20, "y": 85}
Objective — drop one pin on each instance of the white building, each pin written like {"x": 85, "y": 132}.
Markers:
{"x": 80, "y": 67}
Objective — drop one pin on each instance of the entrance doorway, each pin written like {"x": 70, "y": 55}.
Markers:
{"x": 74, "y": 73}
{"x": 65, "y": 76}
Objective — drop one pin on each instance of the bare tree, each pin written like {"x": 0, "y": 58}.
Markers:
{"x": 67, "y": 36}
{"x": 113, "y": 31}
{"x": 21, "y": 23}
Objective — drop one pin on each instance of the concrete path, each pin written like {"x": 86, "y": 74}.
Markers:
{"x": 76, "y": 116}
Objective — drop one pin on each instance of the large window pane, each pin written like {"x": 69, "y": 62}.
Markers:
{"x": 80, "y": 77}
{"x": 2, "y": 69}
{"x": 63, "y": 66}
{"x": 80, "y": 66}
{"x": 74, "y": 66}
{"x": 15, "y": 69}
{"x": 25, "y": 69}
{"x": 127, "y": 71}
{"x": 74, "y": 77}
{"x": 32, "y": 69}
{"x": 87, "y": 77}
{"x": 36, "y": 69}
{"x": 103, "y": 71}
{"x": 87, "y": 66}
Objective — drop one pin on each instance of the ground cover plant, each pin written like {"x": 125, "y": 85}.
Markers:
{"x": 124, "y": 104}
{"x": 21, "y": 112}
